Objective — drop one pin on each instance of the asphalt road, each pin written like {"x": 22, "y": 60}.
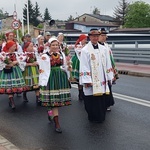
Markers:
{"x": 126, "y": 127}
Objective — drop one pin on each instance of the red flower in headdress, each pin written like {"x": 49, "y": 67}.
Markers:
{"x": 7, "y": 34}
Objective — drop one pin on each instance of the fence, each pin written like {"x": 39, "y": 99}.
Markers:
{"x": 130, "y": 51}
{"x": 137, "y": 52}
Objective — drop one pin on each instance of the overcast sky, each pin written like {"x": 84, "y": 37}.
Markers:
{"x": 62, "y": 9}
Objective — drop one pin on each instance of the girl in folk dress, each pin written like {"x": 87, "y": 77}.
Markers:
{"x": 80, "y": 43}
{"x": 65, "y": 50}
{"x": 31, "y": 71}
{"x": 40, "y": 47}
{"x": 11, "y": 79}
{"x": 10, "y": 36}
{"x": 55, "y": 87}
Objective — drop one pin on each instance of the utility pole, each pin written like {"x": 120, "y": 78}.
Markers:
{"x": 28, "y": 16}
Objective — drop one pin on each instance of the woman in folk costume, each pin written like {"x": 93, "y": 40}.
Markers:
{"x": 65, "y": 50}
{"x": 60, "y": 38}
{"x": 95, "y": 73}
{"x": 10, "y": 36}
{"x": 102, "y": 40}
{"x": 11, "y": 78}
{"x": 53, "y": 79}
{"x": 80, "y": 43}
{"x": 40, "y": 44}
{"x": 40, "y": 47}
{"x": 31, "y": 71}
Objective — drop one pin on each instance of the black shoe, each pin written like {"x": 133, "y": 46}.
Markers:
{"x": 26, "y": 100}
{"x": 25, "y": 97}
{"x": 108, "y": 109}
{"x": 80, "y": 98}
{"x": 58, "y": 130}
{"x": 11, "y": 105}
{"x": 38, "y": 102}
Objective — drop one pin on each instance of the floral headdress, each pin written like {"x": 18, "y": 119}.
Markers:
{"x": 26, "y": 45}
{"x": 81, "y": 37}
{"x": 7, "y": 34}
{"x": 8, "y": 45}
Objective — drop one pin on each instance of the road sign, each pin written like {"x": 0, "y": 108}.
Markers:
{"x": 15, "y": 24}
{"x": 15, "y": 15}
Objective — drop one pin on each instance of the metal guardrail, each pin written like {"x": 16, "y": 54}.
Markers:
{"x": 130, "y": 51}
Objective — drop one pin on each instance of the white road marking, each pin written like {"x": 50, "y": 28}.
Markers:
{"x": 132, "y": 99}
{"x": 126, "y": 98}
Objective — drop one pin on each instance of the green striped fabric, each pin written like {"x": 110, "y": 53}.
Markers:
{"x": 57, "y": 92}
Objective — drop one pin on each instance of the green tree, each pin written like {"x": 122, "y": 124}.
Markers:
{"x": 36, "y": 13}
{"x": 70, "y": 18}
{"x": 2, "y": 36}
{"x": 96, "y": 11}
{"x": 1, "y": 13}
{"x": 31, "y": 12}
{"x": 138, "y": 15}
{"x": 47, "y": 15}
{"x": 120, "y": 11}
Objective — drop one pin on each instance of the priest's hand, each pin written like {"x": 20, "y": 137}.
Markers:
{"x": 88, "y": 85}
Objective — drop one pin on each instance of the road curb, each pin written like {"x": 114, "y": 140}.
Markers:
{"x": 6, "y": 145}
{"x": 139, "y": 74}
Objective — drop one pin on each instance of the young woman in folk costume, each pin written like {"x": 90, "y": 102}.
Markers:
{"x": 65, "y": 50}
{"x": 55, "y": 87}
{"x": 41, "y": 47}
{"x": 11, "y": 78}
{"x": 80, "y": 43}
{"x": 31, "y": 71}
{"x": 60, "y": 38}
{"x": 10, "y": 36}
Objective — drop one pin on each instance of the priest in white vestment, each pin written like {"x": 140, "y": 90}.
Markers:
{"x": 95, "y": 73}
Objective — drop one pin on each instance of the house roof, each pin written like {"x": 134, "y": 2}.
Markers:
{"x": 98, "y": 24}
{"x": 135, "y": 30}
{"x": 101, "y": 17}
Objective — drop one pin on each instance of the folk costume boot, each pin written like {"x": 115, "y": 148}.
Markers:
{"x": 57, "y": 126}
{"x": 25, "y": 97}
{"x": 38, "y": 102}
{"x": 50, "y": 115}
{"x": 11, "y": 102}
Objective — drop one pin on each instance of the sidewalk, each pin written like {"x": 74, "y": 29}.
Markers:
{"x": 132, "y": 69}
{"x": 123, "y": 68}
{"x": 6, "y": 145}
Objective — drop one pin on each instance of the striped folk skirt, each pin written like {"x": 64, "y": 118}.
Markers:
{"x": 31, "y": 77}
{"x": 57, "y": 91}
{"x": 12, "y": 82}
{"x": 75, "y": 67}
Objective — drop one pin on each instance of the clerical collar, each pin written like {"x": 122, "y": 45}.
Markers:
{"x": 101, "y": 43}
{"x": 95, "y": 46}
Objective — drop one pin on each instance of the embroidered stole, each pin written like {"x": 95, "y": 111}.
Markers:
{"x": 96, "y": 78}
